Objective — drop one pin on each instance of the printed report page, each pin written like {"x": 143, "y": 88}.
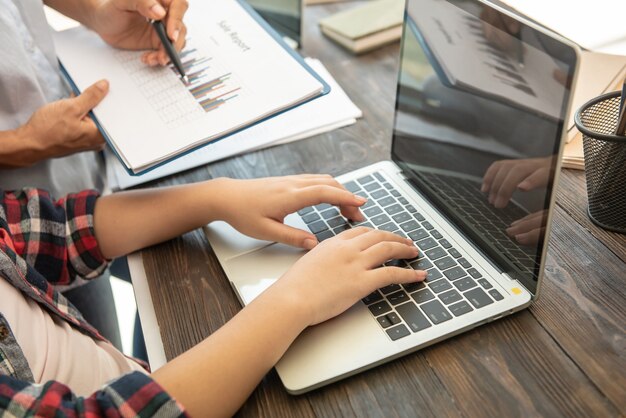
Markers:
{"x": 238, "y": 74}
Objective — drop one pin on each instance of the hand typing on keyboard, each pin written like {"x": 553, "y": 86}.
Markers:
{"x": 258, "y": 207}
{"x": 343, "y": 269}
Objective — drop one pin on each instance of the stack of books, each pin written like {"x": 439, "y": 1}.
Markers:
{"x": 366, "y": 27}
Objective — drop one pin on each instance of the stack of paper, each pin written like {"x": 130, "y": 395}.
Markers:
{"x": 329, "y": 112}
{"x": 239, "y": 73}
{"x": 366, "y": 27}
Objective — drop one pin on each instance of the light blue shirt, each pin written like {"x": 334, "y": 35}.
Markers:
{"x": 30, "y": 78}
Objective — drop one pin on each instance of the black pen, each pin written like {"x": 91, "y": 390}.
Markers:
{"x": 169, "y": 48}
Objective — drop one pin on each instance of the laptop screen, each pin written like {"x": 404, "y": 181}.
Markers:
{"x": 480, "y": 111}
{"x": 284, "y": 16}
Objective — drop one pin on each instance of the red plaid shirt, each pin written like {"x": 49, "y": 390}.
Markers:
{"x": 44, "y": 243}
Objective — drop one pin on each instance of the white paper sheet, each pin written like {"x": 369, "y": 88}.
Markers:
{"x": 320, "y": 115}
{"x": 238, "y": 75}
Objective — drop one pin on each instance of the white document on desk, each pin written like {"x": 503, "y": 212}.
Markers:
{"x": 238, "y": 75}
{"x": 326, "y": 113}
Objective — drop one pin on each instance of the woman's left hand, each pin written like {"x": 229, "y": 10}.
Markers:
{"x": 258, "y": 207}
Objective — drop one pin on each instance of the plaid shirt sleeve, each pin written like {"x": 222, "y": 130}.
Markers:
{"x": 132, "y": 395}
{"x": 56, "y": 238}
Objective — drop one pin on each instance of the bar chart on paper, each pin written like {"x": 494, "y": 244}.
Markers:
{"x": 209, "y": 91}
{"x": 177, "y": 103}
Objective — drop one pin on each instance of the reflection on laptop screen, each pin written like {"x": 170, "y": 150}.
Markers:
{"x": 479, "y": 116}
{"x": 284, "y": 16}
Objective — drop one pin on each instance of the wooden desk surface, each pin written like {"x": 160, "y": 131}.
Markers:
{"x": 565, "y": 356}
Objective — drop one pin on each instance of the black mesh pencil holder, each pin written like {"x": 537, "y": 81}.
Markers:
{"x": 605, "y": 161}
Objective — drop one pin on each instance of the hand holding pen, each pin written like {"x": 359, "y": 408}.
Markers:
{"x": 126, "y": 24}
{"x": 159, "y": 27}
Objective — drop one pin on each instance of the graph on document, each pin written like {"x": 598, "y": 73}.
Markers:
{"x": 210, "y": 88}
{"x": 177, "y": 103}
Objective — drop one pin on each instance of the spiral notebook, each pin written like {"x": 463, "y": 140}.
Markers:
{"x": 240, "y": 73}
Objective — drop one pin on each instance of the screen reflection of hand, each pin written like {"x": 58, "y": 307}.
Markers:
{"x": 529, "y": 229}
{"x": 498, "y": 29}
{"x": 503, "y": 177}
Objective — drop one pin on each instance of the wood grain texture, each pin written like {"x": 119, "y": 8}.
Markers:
{"x": 565, "y": 356}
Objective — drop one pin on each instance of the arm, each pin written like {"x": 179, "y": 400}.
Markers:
{"x": 132, "y": 395}
{"x": 57, "y": 129}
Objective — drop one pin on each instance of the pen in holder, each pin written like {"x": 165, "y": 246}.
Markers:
{"x": 605, "y": 161}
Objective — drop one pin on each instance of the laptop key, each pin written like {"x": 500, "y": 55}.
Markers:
{"x": 395, "y": 193}
{"x": 474, "y": 273}
{"x": 388, "y": 186}
{"x": 366, "y": 225}
{"x": 450, "y": 296}
{"x": 335, "y": 222}
{"x": 341, "y": 228}
{"x": 465, "y": 283}
{"x": 418, "y": 234}
{"x": 495, "y": 294}
{"x": 389, "y": 227}
{"x": 460, "y": 308}
{"x": 422, "y": 264}
{"x": 383, "y": 321}
{"x": 318, "y": 226}
{"x": 436, "y": 234}
{"x": 375, "y": 296}
{"x": 411, "y": 209}
{"x": 373, "y": 211}
{"x": 445, "y": 243}
{"x": 379, "y": 193}
{"x": 403, "y": 201}
{"x": 464, "y": 263}
{"x": 393, "y": 318}
{"x": 390, "y": 288}
{"x": 419, "y": 216}
{"x": 365, "y": 179}
{"x": 454, "y": 253}
{"x": 427, "y": 225}
{"x": 445, "y": 263}
{"x": 330, "y": 213}
{"x": 440, "y": 285}
{"x": 397, "y": 332}
{"x": 324, "y": 235}
{"x": 412, "y": 287}
{"x": 398, "y": 297}
{"x": 426, "y": 244}
{"x": 304, "y": 211}
{"x": 436, "y": 253}
{"x": 422, "y": 296}
{"x": 311, "y": 217}
{"x": 414, "y": 318}
{"x": 323, "y": 206}
{"x": 379, "y": 308}
{"x": 380, "y": 219}
{"x": 379, "y": 177}
{"x": 396, "y": 263}
{"x": 484, "y": 283}
{"x": 409, "y": 226}
{"x": 433, "y": 274}
{"x": 454, "y": 273}
{"x": 393, "y": 209}
{"x": 436, "y": 312}
{"x": 478, "y": 297}
{"x": 369, "y": 203}
{"x": 401, "y": 217}
{"x": 371, "y": 186}
{"x": 351, "y": 186}
{"x": 386, "y": 201}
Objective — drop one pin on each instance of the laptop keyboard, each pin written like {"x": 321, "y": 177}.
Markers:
{"x": 465, "y": 197}
{"x": 453, "y": 286}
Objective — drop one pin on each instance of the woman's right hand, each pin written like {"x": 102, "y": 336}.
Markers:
{"x": 338, "y": 272}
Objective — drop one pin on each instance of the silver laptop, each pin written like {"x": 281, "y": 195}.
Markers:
{"x": 475, "y": 105}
